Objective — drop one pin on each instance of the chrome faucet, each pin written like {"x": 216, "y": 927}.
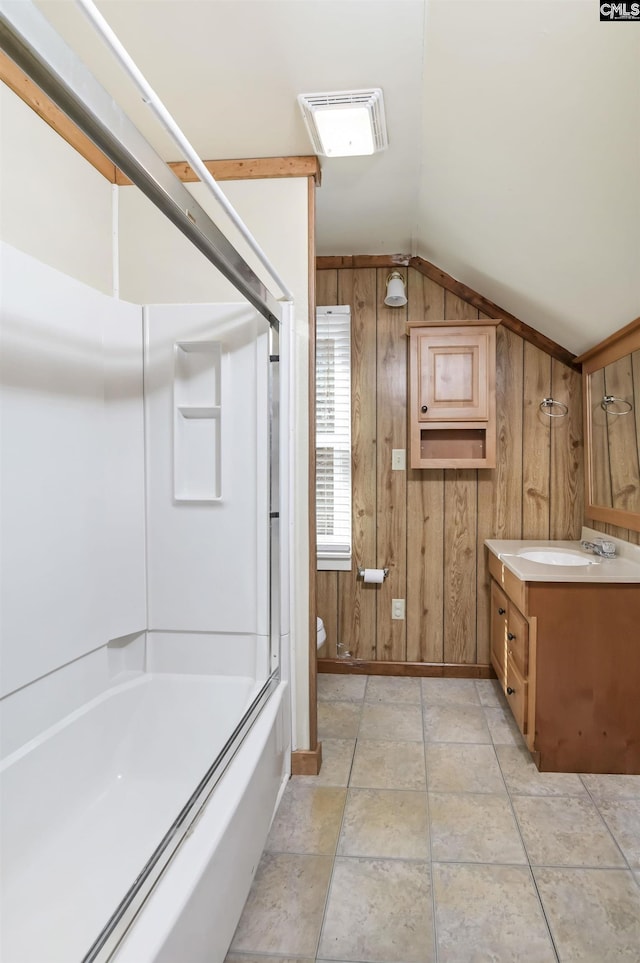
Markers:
{"x": 601, "y": 546}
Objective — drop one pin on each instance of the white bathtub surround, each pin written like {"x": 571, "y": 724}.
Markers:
{"x": 72, "y": 568}
{"x": 118, "y": 699}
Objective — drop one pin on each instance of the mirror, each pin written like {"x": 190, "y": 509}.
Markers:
{"x": 612, "y": 400}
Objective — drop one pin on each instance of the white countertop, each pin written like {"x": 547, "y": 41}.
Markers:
{"x": 625, "y": 567}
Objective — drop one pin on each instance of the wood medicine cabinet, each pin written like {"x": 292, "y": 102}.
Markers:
{"x": 452, "y": 404}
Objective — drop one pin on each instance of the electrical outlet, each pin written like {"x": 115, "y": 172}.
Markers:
{"x": 397, "y": 608}
{"x": 398, "y": 459}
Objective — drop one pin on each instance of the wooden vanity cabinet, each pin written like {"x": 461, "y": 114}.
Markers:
{"x": 452, "y": 394}
{"x": 567, "y": 656}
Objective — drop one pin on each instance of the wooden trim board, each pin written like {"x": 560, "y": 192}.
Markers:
{"x": 250, "y": 168}
{"x": 313, "y": 649}
{"x": 438, "y": 670}
{"x": 306, "y": 762}
{"x": 33, "y": 97}
{"x": 429, "y": 270}
{"x": 222, "y": 170}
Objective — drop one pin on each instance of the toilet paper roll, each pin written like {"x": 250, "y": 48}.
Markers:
{"x": 375, "y": 575}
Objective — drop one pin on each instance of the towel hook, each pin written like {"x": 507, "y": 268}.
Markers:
{"x": 548, "y": 403}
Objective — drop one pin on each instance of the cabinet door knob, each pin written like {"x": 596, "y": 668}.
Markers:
{"x": 501, "y": 611}
{"x": 510, "y": 691}
{"x": 424, "y": 408}
{"x": 510, "y": 636}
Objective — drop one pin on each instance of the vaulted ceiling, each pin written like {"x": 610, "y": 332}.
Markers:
{"x": 514, "y": 127}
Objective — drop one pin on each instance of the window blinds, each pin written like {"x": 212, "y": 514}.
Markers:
{"x": 333, "y": 432}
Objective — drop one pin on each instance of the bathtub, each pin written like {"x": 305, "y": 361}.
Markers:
{"x": 86, "y": 804}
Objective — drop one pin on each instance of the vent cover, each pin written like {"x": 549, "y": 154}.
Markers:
{"x": 345, "y": 122}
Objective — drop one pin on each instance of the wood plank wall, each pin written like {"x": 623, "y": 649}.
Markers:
{"x": 429, "y": 526}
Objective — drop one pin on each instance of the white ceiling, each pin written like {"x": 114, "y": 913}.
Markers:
{"x": 514, "y": 128}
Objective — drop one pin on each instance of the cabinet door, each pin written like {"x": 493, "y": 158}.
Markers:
{"x": 453, "y": 375}
{"x": 499, "y": 608}
{"x": 518, "y": 639}
{"x": 516, "y": 691}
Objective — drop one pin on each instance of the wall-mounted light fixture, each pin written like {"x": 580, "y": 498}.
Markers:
{"x": 345, "y": 123}
{"x": 396, "y": 296}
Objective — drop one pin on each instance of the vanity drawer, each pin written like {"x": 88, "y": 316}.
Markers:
{"x": 516, "y": 692}
{"x": 515, "y": 589}
{"x": 518, "y": 639}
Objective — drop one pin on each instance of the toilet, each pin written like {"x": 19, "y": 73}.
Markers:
{"x": 321, "y": 634}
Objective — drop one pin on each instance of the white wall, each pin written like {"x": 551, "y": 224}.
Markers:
{"x": 157, "y": 264}
{"x": 53, "y": 204}
{"x": 72, "y": 571}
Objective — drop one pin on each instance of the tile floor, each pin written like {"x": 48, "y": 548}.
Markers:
{"x": 430, "y": 837}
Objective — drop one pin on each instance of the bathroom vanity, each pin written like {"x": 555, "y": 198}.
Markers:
{"x": 565, "y": 645}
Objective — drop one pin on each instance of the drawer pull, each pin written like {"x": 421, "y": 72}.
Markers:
{"x": 424, "y": 409}
{"x": 510, "y": 691}
{"x": 510, "y": 636}
{"x": 501, "y": 611}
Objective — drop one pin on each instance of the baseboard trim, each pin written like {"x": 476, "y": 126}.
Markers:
{"x": 306, "y": 762}
{"x": 438, "y": 670}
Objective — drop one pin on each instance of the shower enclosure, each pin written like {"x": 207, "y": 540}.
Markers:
{"x": 143, "y": 771}
{"x": 145, "y": 722}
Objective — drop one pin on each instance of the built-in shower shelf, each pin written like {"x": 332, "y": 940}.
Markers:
{"x": 197, "y": 421}
{"x": 196, "y": 411}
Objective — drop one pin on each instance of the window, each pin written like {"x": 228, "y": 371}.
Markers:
{"x": 333, "y": 437}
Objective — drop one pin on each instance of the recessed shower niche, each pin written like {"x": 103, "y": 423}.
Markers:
{"x": 197, "y": 421}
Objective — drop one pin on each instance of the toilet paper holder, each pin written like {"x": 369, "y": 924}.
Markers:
{"x": 361, "y": 572}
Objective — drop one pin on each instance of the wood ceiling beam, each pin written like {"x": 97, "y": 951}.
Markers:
{"x": 33, "y": 97}
{"x": 449, "y": 283}
{"x": 222, "y": 170}
{"x": 245, "y": 169}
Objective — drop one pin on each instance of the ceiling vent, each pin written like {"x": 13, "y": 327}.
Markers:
{"x": 345, "y": 123}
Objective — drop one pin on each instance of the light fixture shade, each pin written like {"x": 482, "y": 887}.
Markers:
{"x": 396, "y": 296}
{"x": 345, "y": 123}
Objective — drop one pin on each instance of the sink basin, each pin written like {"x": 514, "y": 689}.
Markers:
{"x": 555, "y": 556}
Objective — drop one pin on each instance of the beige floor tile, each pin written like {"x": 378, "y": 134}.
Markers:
{"x": 503, "y": 728}
{"x": 489, "y": 692}
{"x": 381, "y": 721}
{"x": 244, "y": 958}
{"x": 388, "y": 765}
{"x": 381, "y": 688}
{"x": 489, "y": 913}
{"x": 622, "y": 816}
{"x": 341, "y": 688}
{"x": 338, "y": 720}
{"x": 379, "y": 910}
{"x": 440, "y": 692}
{"x": 565, "y": 831}
{"x": 474, "y": 828}
{"x": 594, "y": 915}
{"x": 463, "y": 768}
{"x": 524, "y": 779}
{"x": 283, "y": 912}
{"x": 308, "y": 820}
{"x": 387, "y": 824}
{"x": 613, "y": 787}
{"x": 455, "y": 723}
{"x": 337, "y": 757}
